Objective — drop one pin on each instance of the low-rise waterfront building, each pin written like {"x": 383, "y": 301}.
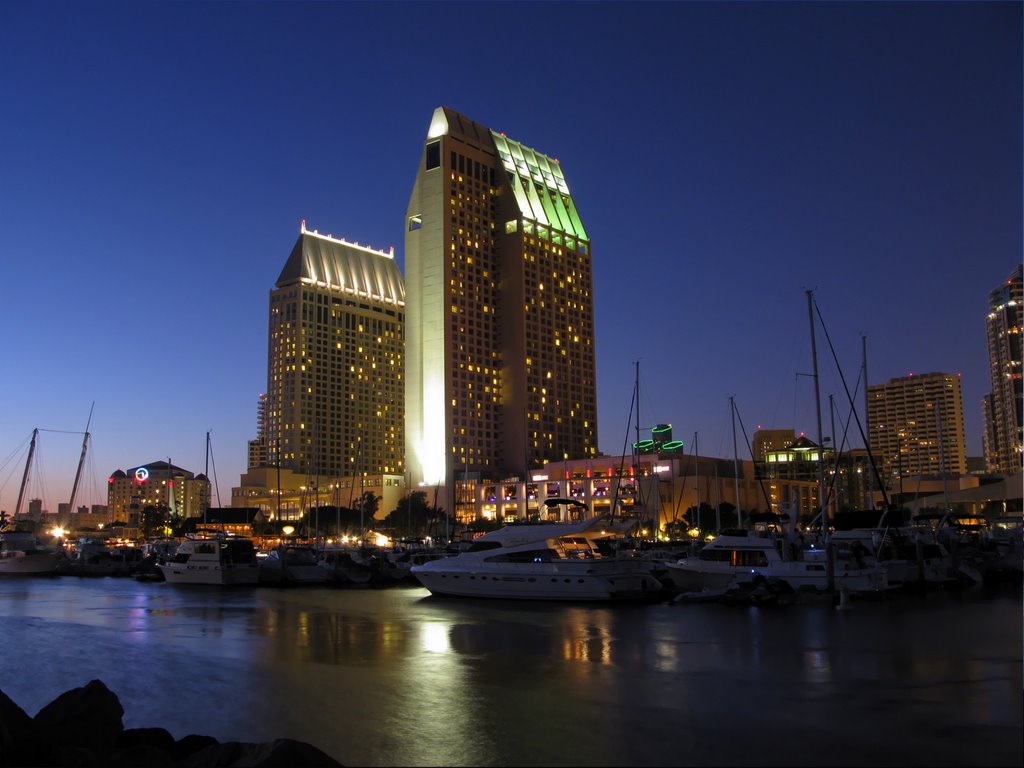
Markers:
{"x": 283, "y": 495}
{"x": 157, "y": 484}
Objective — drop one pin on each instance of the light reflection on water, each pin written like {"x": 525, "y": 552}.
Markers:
{"x": 395, "y": 677}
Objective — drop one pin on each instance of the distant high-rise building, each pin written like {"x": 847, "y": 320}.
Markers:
{"x": 916, "y": 426}
{"x": 335, "y": 393}
{"x": 771, "y": 440}
{"x": 259, "y": 451}
{"x": 500, "y": 364}
{"x": 1003, "y": 410}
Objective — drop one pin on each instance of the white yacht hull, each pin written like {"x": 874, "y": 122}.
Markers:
{"x": 210, "y": 573}
{"x": 696, "y": 576}
{"x": 29, "y": 564}
{"x": 565, "y": 581}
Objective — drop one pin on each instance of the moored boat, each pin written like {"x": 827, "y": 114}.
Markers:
{"x": 21, "y": 555}
{"x": 291, "y": 564}
{"x": 745, "y": 557}
{"x": 93, "y": 556}
{"x": 217, "y": 560}
{"x": 545, "y": 561}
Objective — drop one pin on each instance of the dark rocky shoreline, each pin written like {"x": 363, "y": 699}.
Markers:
{"x": 83, "y": 728}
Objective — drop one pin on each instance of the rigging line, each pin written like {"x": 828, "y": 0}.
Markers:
{"x": 782, "y": 389}
{"x": 846, "y": 427}
{"x": 622, "y": 458}
{"x": 757, "y": 473}
{"x": 838, "y": 452}
{"x": 682, "y": 486}
{"x": 213, "y": 463}
{"x": 19, "y": 454}
{"x": 849, "y": 397}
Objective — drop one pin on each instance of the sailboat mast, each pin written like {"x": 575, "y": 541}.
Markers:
{"x": 636, "y": 443}
{"x": 821, "y": 463}
{"x": 206, "y": 473}
{"x": 735, "y": 463}
{"x": 81, "y": 461}
{"x": 362, "y": 491}
{"x": 24, "y": 477}
{"x": 864, "y": 366}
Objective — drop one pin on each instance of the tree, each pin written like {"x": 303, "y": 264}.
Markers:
{"x": 412, "y": 517}
{"x": 155, "y": 518}
{"x": 369, "y": 504}
{"x": 704, "y": 515}
{"x": 678, "y": 529}
{"x": 339, "y": 520}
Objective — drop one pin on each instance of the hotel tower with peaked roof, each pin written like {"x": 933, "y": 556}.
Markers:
{"x": 334, "y": 404}
{"x": 500, "y": 364}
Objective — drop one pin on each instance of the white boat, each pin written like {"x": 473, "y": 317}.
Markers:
{"x": 21, "y": 555}
{"x": 735, "y": 559}
{"x": 217, "y": 560}
{"x": 545, "y": 561}
{"x": 911, "y": 556}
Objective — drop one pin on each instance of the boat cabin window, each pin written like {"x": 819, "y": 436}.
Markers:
{"x": 744, "y": 558}
{"x": 239, "y": 551}
{"x": 577, "y": 547}
{"x": 525, "y": 556}
{"x": 480, "y": 546}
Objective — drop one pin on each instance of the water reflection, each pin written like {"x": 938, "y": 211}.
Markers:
{"x": 395, "y": 677}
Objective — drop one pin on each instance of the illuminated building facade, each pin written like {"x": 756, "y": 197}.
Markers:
{"x": 500, "y": 365}
{"x": 284, "y": 495}
{"x": 1003, "y": 411}
{"x": 661, "y": 490}
{"x": 259, "y": 449}
{"x": 157, "y": 484}
{"x": 798, "y": 459}
{"x": 334, "y": 404}
{"x": 916, "y": 427}
{"x": 771, "y": 440}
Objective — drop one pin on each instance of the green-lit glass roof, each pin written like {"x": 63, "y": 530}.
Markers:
{"x": 539, "y": 187}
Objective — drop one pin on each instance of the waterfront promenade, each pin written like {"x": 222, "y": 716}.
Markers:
{"x": 382, "y": 677}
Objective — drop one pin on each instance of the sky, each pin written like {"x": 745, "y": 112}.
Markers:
{"x": 726, "y": 159}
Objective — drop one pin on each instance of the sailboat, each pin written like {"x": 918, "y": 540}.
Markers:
{"x": 20, "y": 552}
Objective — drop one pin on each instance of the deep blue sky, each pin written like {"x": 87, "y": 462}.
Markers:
{"x": 725, "y": 157}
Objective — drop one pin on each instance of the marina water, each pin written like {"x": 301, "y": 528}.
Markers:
{"x": 382, "y": 677}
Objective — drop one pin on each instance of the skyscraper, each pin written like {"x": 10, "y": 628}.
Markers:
{"x": 1003, "y": 414}
{"x": 500, "y": 365}
{"x": 259, "y": 449}
{"x": 335, "y": 397}
{"x": 916, "y": 426}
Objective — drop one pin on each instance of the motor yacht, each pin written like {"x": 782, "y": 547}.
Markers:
{"x": 744, "y": 557}
{"x": 217, "y": 560}
{"x": 21, "y": 555}
{"x": 575, "y": 561}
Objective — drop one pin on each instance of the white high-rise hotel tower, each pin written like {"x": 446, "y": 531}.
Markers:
{"x": 500, "y": 366}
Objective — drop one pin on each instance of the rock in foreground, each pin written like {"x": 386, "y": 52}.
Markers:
{"x": 83, "y": 727}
